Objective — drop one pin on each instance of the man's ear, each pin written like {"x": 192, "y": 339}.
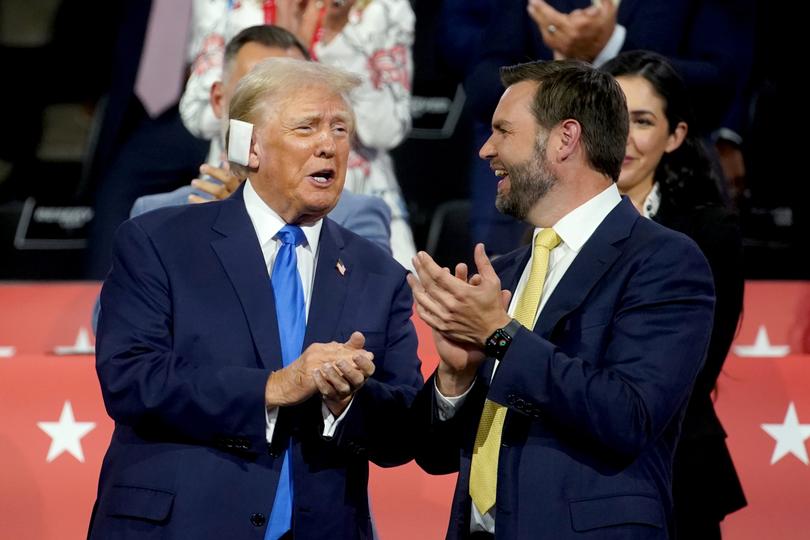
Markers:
{"x": 254, "y": 158}
{"x": 570, "y": 135}
{"x": 217, "y": 99}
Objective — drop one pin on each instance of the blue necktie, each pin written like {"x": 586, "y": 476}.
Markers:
{"x": 292, "y": 323}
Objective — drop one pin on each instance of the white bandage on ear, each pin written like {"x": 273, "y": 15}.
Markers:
{"x": 239, "y": 136}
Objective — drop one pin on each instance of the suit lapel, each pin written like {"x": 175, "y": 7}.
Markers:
{"x": 596, "y": 256}
{"x": 329, "y": 288}
{"x": 241, "y": 256}
{"x": 510, "y": 275}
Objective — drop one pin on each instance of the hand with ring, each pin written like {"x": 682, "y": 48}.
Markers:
{"x": 581, "y": 34}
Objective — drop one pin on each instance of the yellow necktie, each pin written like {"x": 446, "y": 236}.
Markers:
{"x": 484, "y": 471}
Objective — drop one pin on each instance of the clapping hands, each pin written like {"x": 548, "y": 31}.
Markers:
{"x": 462, "y": 313}
{"x": 335, "y": 370}
{"x": 581, "y": 34}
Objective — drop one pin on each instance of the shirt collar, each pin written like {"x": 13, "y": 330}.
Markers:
{"x": 267, "y": 222}
{"x": 577, "y": 226}
{"x": 653, "y": 202}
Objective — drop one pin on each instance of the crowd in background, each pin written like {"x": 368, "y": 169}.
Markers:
{"x": 82, "y": 137}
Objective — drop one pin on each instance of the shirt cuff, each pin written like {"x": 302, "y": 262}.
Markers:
{"x": 613, "y": 47}
{"x": 270, "y": 416}
{"x": 449, "y": 405}
{"x": 728, "y": 135}
{"x": 330, "y": 423}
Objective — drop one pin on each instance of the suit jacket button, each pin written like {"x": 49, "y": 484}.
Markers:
{"x": 258, "y": 519}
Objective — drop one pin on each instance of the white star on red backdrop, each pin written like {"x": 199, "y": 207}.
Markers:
{"x": 789, "y": 436}
{"x": 762, "y": 347}
{"x": 66, "y": 434}
{"x": 82, "y": 345}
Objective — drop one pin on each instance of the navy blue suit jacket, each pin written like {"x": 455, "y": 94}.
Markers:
{"x": 187, "y": 339}
{"x": 595, "y": 394}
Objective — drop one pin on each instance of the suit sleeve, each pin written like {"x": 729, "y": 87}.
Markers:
{"x": 513, "y": 37}
{"x": 372, "y": 221}
{"x": 723, "y": 32}
{"x": 144, "y": 383}
{"x": 658, "y": 27}
{"x": 507, "y": 40}
{"x": 656, "y": 341}
{"x": 694, "y": 36}
{"x": 377, "y": 423}
{"x": 436, "y": 442}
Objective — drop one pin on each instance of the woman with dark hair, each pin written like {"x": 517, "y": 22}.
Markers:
{"x": 669, "y": 178}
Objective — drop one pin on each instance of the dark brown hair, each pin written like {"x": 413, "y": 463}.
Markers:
{"x": 684, "y": 175}
{"x": 263, "y": 34}
{"x": 569, "y": 89}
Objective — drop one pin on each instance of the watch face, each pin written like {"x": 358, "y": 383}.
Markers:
{"x": 497, "y": 343}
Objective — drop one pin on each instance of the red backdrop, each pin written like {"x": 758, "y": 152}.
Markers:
{"x": 54, "y": 430}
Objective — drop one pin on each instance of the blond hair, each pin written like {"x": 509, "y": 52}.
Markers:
{"x": 274, "y": 79}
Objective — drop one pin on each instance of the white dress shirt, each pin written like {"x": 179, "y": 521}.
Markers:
{"x": 614, "y": 45}
{"x": 267, "y": 223}
{"x": 574, "y": 229}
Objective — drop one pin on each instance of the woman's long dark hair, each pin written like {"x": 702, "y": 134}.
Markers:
{"x": 685, "y": 175}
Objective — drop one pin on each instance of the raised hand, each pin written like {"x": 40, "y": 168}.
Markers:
{"x": 466, "y": 312}
{"x": 216, "y": 181}
{"x": 581, "y": 34}
{"x": 459, "y": 359}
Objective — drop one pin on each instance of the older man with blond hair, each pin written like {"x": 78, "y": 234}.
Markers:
{"x": 253, "y": 354}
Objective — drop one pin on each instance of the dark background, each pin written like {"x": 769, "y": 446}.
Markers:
{"x": 56, "y": 61}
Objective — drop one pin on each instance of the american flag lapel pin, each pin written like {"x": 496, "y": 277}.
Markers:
{"x": 340, "y": 267}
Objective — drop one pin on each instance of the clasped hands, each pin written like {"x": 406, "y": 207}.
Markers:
{"x": 462, "y": 312}
{"x": 581, "y": 34}
{"x": 335, "y": 370}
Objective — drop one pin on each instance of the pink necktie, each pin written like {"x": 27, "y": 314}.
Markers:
{"x": 162, "y": 68}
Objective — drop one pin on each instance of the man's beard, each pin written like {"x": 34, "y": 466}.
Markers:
{"x": 528, "y": 183}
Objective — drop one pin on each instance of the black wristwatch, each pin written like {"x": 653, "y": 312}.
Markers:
{"x": 498, "y": 343}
